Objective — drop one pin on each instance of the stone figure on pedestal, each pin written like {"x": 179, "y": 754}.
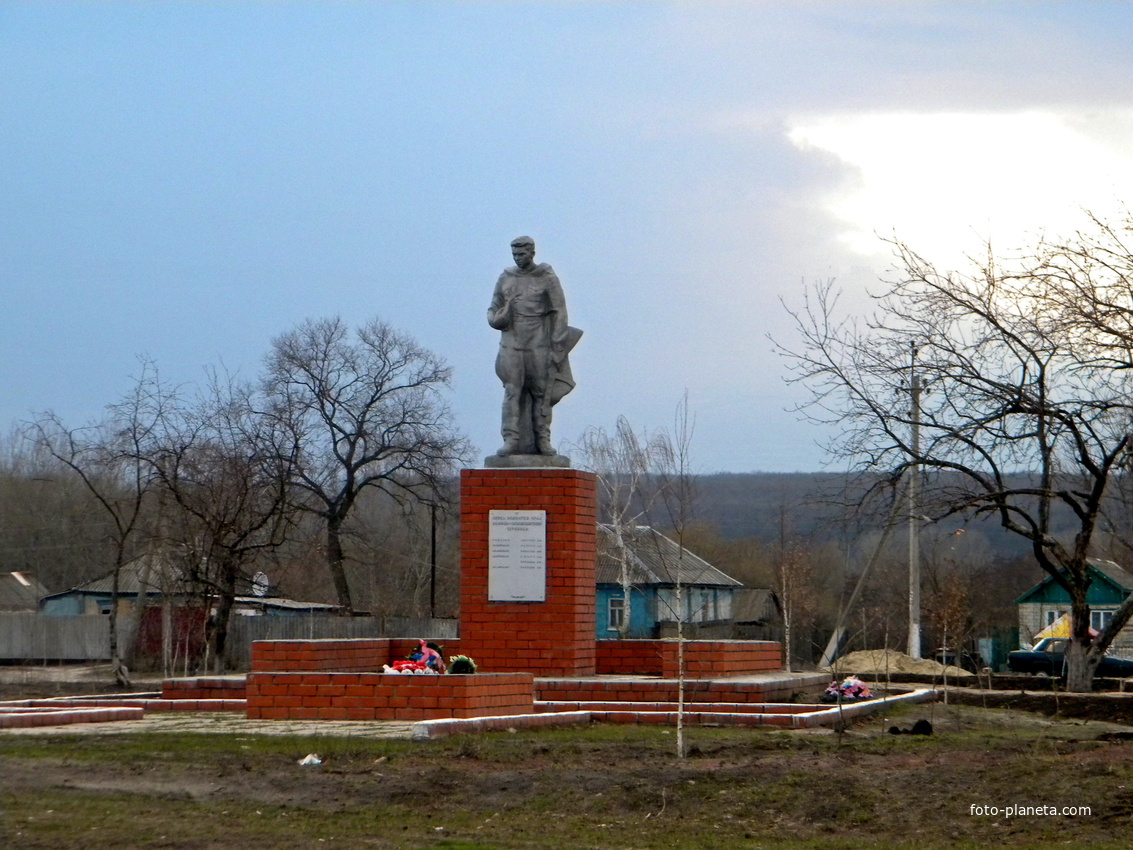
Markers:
{"x": 529, "y": 310}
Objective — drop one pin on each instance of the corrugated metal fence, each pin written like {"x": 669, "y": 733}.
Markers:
{"x": 28, "y": 636}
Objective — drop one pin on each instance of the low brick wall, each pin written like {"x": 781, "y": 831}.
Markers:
{"x": 363, "y": 655}
{"x": 387, "y": 696}
{"x": 702, "y": 658}
{"x": 203, "y": 687}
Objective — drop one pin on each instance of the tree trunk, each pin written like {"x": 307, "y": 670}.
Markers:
{"x": 786, "y": 639}
{"x": 336, "y": 563}
{"x": 1081, "y": 662}
{"x": 1082, "y": 657}
{"x": 121, "y": 673}
{"x": 627, "y": 587}
{"x": 217, "y": 629}
{"x": 137, "y": 614}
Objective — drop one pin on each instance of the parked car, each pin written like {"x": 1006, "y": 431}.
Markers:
{"x": 1048, "y": 659}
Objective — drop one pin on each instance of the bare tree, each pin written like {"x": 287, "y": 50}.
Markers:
{"x": 677, "y": 496}
{"x": 795, "y": 586}
{"x": 357, "y": 410}
{"x": 623, "y": 462}
{"x": 1026, "y": 419}
{"x": 108, "y": 458}
{"x": 216, "y": 460}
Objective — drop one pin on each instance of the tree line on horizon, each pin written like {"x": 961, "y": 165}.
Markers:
{"x": 342, "y": 427}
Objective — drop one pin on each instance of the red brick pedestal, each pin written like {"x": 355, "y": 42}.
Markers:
{"x": 551, "y": 638}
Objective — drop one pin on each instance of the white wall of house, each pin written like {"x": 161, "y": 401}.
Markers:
{"x": 1035, "y": 616}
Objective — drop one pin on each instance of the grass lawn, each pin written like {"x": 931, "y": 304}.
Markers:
{"x": 580, "y": 787}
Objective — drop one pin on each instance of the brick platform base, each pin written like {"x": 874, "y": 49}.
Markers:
{"x": 702, "y": 658}
{"x": 387, "y": 696}
{"x": 335, "y": 679}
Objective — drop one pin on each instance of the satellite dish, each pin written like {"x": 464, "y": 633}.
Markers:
{"x": 260, "y": 584}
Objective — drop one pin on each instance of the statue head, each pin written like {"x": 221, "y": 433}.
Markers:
{"x": 523, "y": 251}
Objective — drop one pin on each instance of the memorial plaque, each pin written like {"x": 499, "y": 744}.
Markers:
{"x": 517, "y": 556}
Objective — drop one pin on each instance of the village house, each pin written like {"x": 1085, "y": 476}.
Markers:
{"x": 1044, "y": 605}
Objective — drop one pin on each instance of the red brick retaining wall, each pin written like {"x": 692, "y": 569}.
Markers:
{"x": 203, "y": 687}
{"x": 387, "y": 696}
{"x": 554, "y": 637}
{"x": 661, "y": 691}
{"x": 364, "y": 655}
{"x": 702, "y": 658}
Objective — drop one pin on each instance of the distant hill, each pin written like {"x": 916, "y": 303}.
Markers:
{"x": 751, "y": 504}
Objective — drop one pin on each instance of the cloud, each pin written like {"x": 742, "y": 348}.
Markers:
{"x": 946, "y": 182}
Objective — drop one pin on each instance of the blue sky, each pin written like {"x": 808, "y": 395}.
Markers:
{"x": 184, "y": 181}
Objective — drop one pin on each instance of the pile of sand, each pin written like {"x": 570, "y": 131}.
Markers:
{"x": 878, "y": 662}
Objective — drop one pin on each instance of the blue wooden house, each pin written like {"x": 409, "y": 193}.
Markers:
{"x": 651, "y": 565}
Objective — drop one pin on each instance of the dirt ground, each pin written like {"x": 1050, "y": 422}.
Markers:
{"x": 582, "y": 787}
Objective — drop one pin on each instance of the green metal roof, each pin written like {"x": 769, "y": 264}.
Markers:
{"x": 1109, "y": 585}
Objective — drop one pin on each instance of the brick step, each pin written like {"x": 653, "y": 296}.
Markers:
{"x": 698, "y": 718}
{"x": 663, "y": 690}
{"x": 671, "y": 707}
{"x": 205, "y": 687}
{"x": 22, "y": 718}
{"x": 148, "y": 702}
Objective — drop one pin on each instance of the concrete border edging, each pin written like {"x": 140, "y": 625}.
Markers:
{"x": 427, "y": 730}
{"x": 832, "y": 715}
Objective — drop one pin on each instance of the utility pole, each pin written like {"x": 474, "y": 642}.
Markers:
{"x": 914, "y": 647}
{"x": 433, "y": 561}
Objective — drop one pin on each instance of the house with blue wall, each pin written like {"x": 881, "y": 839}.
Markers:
{"x": 161, "y": 581}
{"x": 1047, "y": 601}
{"x": 646, "y": 567}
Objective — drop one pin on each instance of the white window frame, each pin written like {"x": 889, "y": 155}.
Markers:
{"x": 1100, "y": 619}
{"x": 615, "y": 612}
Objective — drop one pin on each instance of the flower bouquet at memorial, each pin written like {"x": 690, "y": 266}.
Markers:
{"x": 461, "y": 665}
{"x": 851, "y": 689}
{"x": 426, "y": 658}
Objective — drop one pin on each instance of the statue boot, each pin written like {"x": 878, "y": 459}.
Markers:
{"x": 510, "y": 446}
{"x": 543, "y": 436}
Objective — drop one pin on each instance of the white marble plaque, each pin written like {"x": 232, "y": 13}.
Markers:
{"x": 517, "y": 556}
